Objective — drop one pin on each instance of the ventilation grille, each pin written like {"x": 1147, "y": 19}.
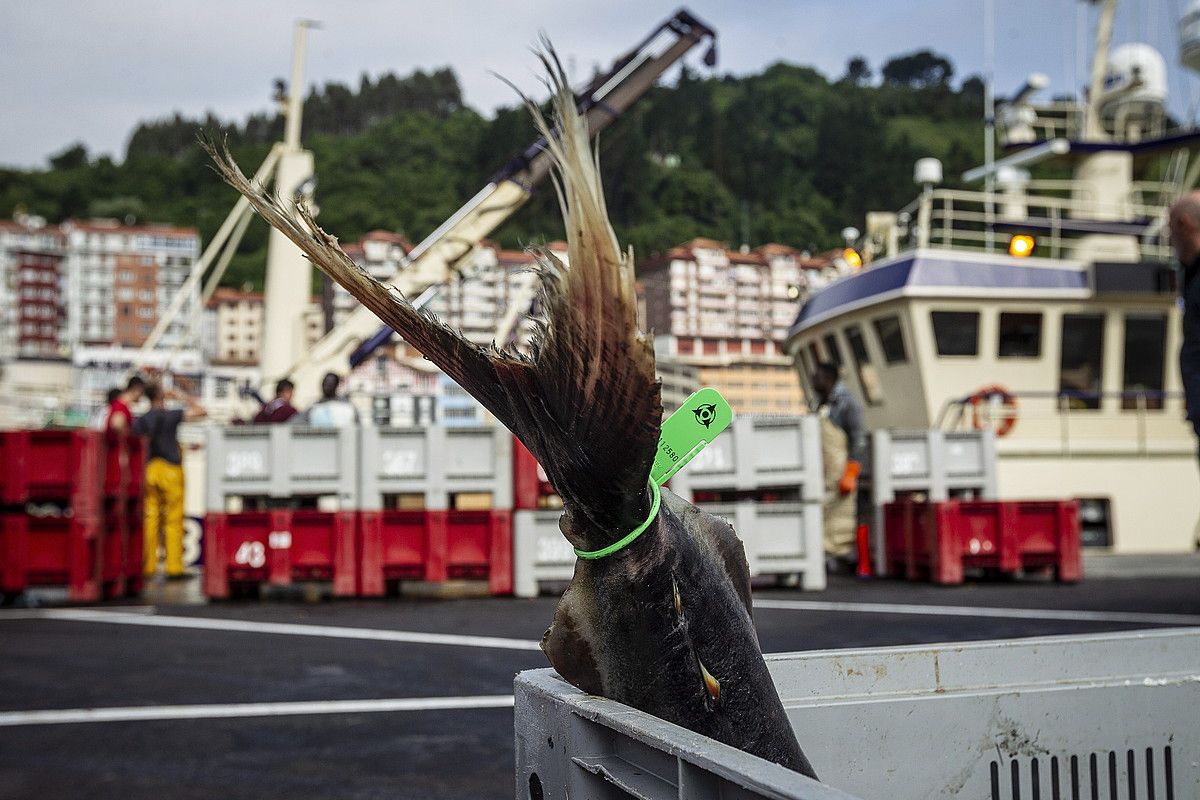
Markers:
{"x": 1133, "y": 775}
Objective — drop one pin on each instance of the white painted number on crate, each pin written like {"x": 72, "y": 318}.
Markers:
{"x": 399, "y": 462}
{"x": 251, "y": 554}
{"x": 280, "y": 540}
{"x": 244, "y": 462}
{"x": 554, "y": 549}
{"x": 905, "y": 463}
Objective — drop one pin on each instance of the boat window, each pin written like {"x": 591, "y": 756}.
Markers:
{"x": 1145, "y": 358}
{"x": 1081, "y": 366}
{"x": 832, "y": 350}
{"x": 956, "y": 332}
{"x": 815, "y": 355}
{"x": 891, "y": 339}
{"x": 1020, "y": 335}
{"x": 868, "y": 378}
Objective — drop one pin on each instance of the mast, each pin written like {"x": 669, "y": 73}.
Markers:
{"x": 288, "y": 289}
{"x": 1092, "y": 129}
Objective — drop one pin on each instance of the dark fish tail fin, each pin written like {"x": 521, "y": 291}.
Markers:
{"x": 586, "y": 402}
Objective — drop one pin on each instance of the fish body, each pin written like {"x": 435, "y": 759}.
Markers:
{"x": 664, "y": 623}
{"x": 664, "y": 626}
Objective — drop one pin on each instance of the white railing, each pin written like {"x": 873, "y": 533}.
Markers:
{"x": 1073, "y": 422}
{"x": 971, "y": 220}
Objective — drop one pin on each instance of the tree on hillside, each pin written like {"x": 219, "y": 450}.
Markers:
{"x": 858, "y": 71}
{"x": 920, "y": 70}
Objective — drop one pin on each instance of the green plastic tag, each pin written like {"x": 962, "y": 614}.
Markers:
{"x": 688, "y": 431}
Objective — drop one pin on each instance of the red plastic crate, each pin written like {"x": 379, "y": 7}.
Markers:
{"x": 51, "y": 551}
{"x": 63, "y": 466}
{"x": 434, "y": 546}
{"x": 531, "y": 488}
{"x": 124, "y": 479}
{"x": 942, "y": 539}
{"x": 279, "y": 548}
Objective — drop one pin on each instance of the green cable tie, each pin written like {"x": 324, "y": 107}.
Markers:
{"x": 628, "y": 538}
{"x": 685, "y": 433}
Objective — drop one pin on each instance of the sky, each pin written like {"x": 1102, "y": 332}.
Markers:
{"x": 89, "y": 71}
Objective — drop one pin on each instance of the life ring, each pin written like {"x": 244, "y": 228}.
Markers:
{"x": 1007, "y": 419}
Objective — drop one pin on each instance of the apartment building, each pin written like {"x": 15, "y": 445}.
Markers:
{"x": 33, "y": 310}
{"x": 380, "y": 253}
{"x": 233, "y": 327}
{"x": 726, "y": 312}
{"x": 122, "y": 278}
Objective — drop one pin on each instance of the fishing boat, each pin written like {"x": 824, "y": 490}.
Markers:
{"x": 1043, "y": 310}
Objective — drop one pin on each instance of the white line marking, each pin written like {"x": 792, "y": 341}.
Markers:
{"x": 972, "y": 611}
{"x": 10, "y": 719}
{"x": 281, "y": 628}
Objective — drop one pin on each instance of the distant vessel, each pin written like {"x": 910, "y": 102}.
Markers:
{"x": 1045, "y": 310}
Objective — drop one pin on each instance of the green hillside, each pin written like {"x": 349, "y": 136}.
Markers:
{"x": 787, "y": 155}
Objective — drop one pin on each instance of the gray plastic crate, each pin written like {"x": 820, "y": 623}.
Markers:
{"x": 281, "y": 461}
{"x": 436, "y": 462}
{"x": 1109, "y": 716}
{"x": 541, "y": 554}
{"x": 935, "y": 463}
{"x": 781, "y": 539}
{"x": 759, "y": 453}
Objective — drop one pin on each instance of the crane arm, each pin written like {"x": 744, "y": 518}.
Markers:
{"x": 442, "y": 252}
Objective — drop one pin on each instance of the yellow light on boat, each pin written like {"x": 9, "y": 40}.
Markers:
{"x": 1021, "y": 245}
{"x": 852, "y": 258}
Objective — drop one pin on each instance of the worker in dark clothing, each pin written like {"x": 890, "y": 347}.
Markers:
{"x": 163, "y": 498}
{"x": 1185, "y": 238}
{"x": 845, "y": 412}
{"x": 280, "y": 409}
{"x": 1184, "y": 222}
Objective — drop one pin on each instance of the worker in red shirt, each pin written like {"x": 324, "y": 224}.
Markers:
{"x": 280, "y": 409}
{"x": 120, "y": 413}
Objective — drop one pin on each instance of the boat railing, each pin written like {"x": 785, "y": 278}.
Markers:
{"x": 1068, "y": 421}
{"x": 1064, "y": 119}
{"x": 1057, "y": 214}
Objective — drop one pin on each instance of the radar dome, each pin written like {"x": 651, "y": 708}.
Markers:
{"x": 1135, "y": 60}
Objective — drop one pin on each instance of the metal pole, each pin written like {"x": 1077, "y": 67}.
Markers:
{"x": 989, "y": 122}
{"x": 295, "y": 95}
{"x": 1092, "y": 129}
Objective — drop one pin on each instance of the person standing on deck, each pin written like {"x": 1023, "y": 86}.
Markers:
{"x": 1184, "y": 223}
{"x": 164, "y": 478}
{"x": 843, "y": 409}
{"x": 330, "y": 411}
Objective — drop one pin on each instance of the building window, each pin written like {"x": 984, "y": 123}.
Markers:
{"x": 1145, "y": 358}
{"x": 1020, "y": 335}
{"x": 891, "y": 339}
{"x": 831, "y": 348}
{"x": 868, "y": 378}
{"x": 685, "y": 346}
{"x": 956, "y": 333}
{"x": 1081, "y": 365}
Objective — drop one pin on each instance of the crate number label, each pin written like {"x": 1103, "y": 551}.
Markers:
{"x": 554, "y": 549}
{"x": 399, "y": 462}
{"x": 905, "y": 463}
{"x": 251, "y": 554}
{"x": 244, "y": 462}
{"x": 279, "y": 540}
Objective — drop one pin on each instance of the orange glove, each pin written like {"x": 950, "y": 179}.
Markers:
{"x": 849, "y": 481}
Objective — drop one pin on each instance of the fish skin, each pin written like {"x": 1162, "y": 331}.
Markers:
{"x": 586, "y": 402}
{"x": 616, "y": 633}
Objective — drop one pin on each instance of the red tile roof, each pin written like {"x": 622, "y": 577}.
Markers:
{"x": 389, "y": 237}
{"x": 112, "y": 226}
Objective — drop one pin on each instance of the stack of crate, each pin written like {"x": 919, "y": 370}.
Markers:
{"x": 53, "y": 504}
{"x": 765, "y": 476}
{"x": 436, "y": 504}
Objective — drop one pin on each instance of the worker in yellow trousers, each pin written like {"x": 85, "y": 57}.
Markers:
{"x": 164, "y": 477}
